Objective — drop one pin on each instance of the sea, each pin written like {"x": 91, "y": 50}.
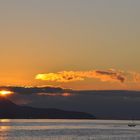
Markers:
{"x": 53, "y": 129}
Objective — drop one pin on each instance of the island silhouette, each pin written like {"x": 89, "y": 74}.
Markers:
{"x": 10, "y": 110}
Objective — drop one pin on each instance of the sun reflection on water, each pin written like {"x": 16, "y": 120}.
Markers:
{"x": 4, "y": 120}
{"x": 3, "y": 126}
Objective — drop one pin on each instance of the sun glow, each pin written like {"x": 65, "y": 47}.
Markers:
{"x": 5, "y": 92}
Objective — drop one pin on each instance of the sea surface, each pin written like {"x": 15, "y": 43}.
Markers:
{"x": 41, "y": 129}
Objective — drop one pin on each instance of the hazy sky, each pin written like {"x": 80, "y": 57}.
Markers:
{"x": 45, "y": 36}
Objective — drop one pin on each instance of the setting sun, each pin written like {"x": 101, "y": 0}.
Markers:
{"x": 5, "y": 92}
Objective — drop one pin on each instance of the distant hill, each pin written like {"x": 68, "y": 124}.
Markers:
{"x": 10, "y": 110}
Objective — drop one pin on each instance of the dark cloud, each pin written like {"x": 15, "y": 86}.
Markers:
{"x": 33, "y": 90}
{"x": 114, "y": 75}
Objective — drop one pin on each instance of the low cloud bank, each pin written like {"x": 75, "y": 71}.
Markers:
{"x": 34, "y": 90}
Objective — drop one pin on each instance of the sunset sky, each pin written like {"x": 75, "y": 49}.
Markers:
{"x": 78, "y": 44}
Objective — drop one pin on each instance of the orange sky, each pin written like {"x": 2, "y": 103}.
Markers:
{"x": 50, "y": 36}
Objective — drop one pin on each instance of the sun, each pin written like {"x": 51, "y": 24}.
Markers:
{"x": 5, "y": 92}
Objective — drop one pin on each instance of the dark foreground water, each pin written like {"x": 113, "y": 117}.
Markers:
{"x": 68, "y": 130}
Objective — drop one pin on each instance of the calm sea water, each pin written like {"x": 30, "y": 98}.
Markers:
{"x": 68, "y": 130}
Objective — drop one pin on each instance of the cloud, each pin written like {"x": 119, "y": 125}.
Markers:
{"x": 34, "y": 90}
{"x": 27, "y": 95}
{"x": 134, "y": 76}
{"x": 70, "y": 76}
{"x": 65, "y": 76}
{"x": 55, "y": 94}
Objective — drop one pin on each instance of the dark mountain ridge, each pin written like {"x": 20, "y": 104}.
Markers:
{"x": 10, "y": 110}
